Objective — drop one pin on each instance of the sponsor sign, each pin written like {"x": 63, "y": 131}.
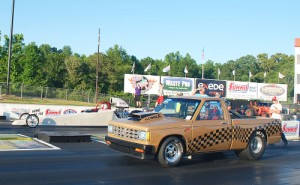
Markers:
{"x": 175, "y": 85}
{"x": 149, "y": 83}
{"x": 241, "y": 90}
{"x": 13, "y": 111}
{"x": 268, "y": 91}
{"x": 291, "y": 129}
{"x": 37, "y": 112}
{"x": 69, "y": 111}
{"x": 50, "y": 112}
{"x": 212, "y": 86}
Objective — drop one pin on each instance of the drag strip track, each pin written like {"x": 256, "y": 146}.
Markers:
{"x": 93, "y": 163}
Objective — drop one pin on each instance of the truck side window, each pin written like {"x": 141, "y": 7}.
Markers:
{"x": 211, "y": 110}
{"x": 204, "y": 112}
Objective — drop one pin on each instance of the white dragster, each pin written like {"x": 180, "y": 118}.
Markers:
{"x": 98, "y": 116}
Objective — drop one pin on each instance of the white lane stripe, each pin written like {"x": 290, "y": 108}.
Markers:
{"x": 47, "y": 144}
{"x": 102, "y": 142}
{"x": 27, "y": 149}
{"x": 52, "y": 147}
{"x": 97, "y": 140}
{"x": 41, "y": 141}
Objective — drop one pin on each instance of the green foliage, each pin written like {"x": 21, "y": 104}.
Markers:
{"x": 48, "y": 66}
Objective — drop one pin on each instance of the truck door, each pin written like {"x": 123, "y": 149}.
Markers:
{"x": 211, "y": 131}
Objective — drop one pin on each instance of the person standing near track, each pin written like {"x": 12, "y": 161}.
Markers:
{"x": 137, "y": 96}
{"x": 275, "y": 110}
{"x": 160, "y": 98}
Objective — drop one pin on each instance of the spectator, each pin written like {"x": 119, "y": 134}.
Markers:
{"x": 160, "y": 98}
{"x": 137, "y": 96}
{"x": 199, "y": 92}
{"x": 179, "y": 94}
{"x": 207, "y": 115}
{"x": 229, "y": 104}
{"x": 275, "y": 110}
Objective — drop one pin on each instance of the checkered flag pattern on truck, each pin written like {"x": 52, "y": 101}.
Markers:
{"x": 273, "y": 128}
{"x": 210, "y": 139}
{"x": 223, "y": 135}
{"x": 242, "y": 134}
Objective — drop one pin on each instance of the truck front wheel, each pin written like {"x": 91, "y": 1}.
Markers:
{"x": 170, "y": 152}
{"x": 255, "y": 148}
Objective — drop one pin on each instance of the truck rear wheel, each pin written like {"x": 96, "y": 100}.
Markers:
{"x": 170, "y": 152}
{"x": 255, "y": 148}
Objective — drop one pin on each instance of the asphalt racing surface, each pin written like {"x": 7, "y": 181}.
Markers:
{"x": 93, "y": 163}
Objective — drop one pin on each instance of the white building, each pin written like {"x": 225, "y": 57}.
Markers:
{"x": 297, "y": 72}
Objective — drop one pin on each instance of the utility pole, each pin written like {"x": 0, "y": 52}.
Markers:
{"x": 10, "y": 47}
{"x": 202, "y": 70}
{"x": 203, "y": 63}
{"x": 97, "y": 69}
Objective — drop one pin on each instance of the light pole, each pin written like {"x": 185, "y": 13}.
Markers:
{"x": 202, "y": 71}
{"x": 97, "y": 69}
{"x": 10, "y": 47}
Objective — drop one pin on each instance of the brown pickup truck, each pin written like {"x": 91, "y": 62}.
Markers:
{"x": 188, "y": 125}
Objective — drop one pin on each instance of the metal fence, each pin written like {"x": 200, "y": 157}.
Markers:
{"x": 25, "y": 91}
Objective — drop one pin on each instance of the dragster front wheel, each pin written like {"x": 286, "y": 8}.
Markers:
{"x": 32, "y": 120}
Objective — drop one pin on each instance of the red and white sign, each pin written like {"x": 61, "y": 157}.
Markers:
{"x": 50, "y": 112}
{"x": 241, "y": 90}
{"x": 291, "y": 129}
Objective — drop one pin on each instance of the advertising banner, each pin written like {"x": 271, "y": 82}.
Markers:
{"x": 212, "y": 86}
{"x": 149, "y": 83}
{"x": 241, "y": 90}
{"x": 291, "y": 129}
{"x": 268, "y": 91}
{"x": 175, "y": 85}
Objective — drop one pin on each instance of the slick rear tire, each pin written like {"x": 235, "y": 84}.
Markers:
{"x": 171, "y": 152}
{"x": 23, "y": 116}
{"x": 255, "y": 148}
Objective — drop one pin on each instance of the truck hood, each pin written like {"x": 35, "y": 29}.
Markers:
{"x": 142, "y": 119}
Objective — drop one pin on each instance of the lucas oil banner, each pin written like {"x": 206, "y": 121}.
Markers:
{"x": 175, "y": 85}
{"x": 212, "y": 86}
{"x": 268, "y": 91}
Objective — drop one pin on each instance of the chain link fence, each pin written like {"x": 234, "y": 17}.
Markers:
{"x": 26, "y": 91}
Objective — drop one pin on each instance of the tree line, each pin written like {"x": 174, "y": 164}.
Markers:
{"x": 48, "y": 66}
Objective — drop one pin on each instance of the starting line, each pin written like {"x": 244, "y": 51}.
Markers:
{"x": 19, "y": 142}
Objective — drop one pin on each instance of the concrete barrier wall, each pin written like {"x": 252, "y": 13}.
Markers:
{"x": 52, "y": 115}
{"x": 100, "y": 118}
{"x": 13, "y": 111}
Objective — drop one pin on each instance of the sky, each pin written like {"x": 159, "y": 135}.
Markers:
{"x": 225, "y": 30}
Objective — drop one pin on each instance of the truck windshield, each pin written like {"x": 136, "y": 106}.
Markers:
{"x": 179, "y": 108}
